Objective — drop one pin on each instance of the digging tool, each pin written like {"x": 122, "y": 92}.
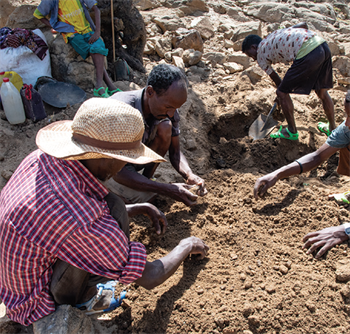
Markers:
{"x": 263, "y": 125}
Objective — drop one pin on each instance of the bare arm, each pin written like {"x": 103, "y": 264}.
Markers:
{"x": 308, "y": 162}
{"x": 158, "y": 271}
{"x": 275, "y": 78}
{"x": 156, "y": 216}
{"x": 179, "y": 162}
{"x": 141, "y": 183}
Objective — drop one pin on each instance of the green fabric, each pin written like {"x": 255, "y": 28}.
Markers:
{"x": 309, "y": 45}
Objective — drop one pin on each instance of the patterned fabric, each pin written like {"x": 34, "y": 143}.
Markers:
{"x": 281, "y": 46}
{"x": 72, "y": 13}
{"x": 26, "y": 38}
{"x": 52, "y": 209}
{"x": 67, "y": 16}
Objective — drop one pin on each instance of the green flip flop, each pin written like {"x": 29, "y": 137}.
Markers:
{"x": 98, "y": 94}
{"x": 279, "y": 134}
{"x": 342, "y": 198}
{"x": 324, "y": 128}
{"x": 111, "y": 92}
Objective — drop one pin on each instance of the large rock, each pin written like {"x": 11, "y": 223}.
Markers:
{"x": 237, "y": 14}
{"x": 233, "y": 67}
{"x": 325, "y": 9}
{"x": 163, "y": 45}
{"x": 191, "y": 6}
{"x": 191, "y": 57}
{"x": 146, "y": 4}
{"x": 170, "y": 23}
{"x": 255, "y": 73}
{"x": 270, "y": 12}
{"x": 239, "y": 58}
{"x": 66, "y": 320}
{"x": 204, "y": 26}
{"x": 242, "y": 30}
{"x": 6, "y": 8}
{"x": 215, "y": 57}
{"x": 320, "y": 22}
{"x": 187, "y": 39}
{"x": 342, "y": 63}
{"x": 22, "y": 17}
{"x": 68, "y": 66}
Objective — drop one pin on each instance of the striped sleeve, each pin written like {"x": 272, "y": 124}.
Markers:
{"x": 102, "y": 248}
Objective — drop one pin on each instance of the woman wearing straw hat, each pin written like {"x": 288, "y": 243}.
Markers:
{"x": 63, "y": 235}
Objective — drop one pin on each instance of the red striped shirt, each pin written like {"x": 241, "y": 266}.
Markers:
{"x": 50, "y": 209}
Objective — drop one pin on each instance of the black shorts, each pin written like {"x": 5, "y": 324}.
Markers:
{"x": 314, "y": 71}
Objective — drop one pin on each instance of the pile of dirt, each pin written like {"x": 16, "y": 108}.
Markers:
{"x": 257, "y": 278}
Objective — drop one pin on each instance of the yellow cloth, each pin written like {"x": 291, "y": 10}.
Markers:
{"x": 71, "y": 12}
{"x": 309, "y": 45}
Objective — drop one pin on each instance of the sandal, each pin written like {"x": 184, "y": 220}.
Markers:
{"x": 279, "y": 134}
{"x": 102, "y": 301}
{"x": 324, "y": 128}
{"x": 111, "y": 92}
{"x": 104, "y": 94}
{"x": 342, "y": 198}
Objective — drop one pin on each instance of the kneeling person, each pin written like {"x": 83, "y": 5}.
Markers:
{"x": 61, "y": 231}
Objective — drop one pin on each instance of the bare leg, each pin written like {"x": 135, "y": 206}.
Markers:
{"x": 101, "y": 73}
{"x": 288, "y": 111}
{"x": 160, "y": 145}
{"x": 328, "y": 106}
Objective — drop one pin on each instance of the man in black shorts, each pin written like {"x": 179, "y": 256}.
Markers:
{"x": 311, "y": 69}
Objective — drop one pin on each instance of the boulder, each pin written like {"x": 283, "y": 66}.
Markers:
{"x": 65, "y": 320}
{"x": 187, "y": 39}
{"x": 343, "y": 28}
{"x": 342, "y": 63}
{"x": 149, "y": 48}
{"x": 270, "y": 12}
{"x": 192, "y": 6}
{"x": 325, "y": 9}
{"x": 219, "y": 8}
{"x": 178, "y": 62}
{"x": 239, "y": 58}
{"x": 22, "y": 17}
{"x": 68, "y": 66}
{"x": 204, "y": 26}
{"x": 237, "y": 14}
{"x": 146, "y": 4}
{"x": 233, "y": 67}
{"x": 215, "y": 58}
{"x": 335, "y": 48}
{"x": 6, "y": 8}
{"x": 320, "y": 22}
{"x": 177, "y": 52}
{"x": 170, "y": 23}
{"x": 255, "y": 73}
{"x": 243, "y": 30}
{"x": 163, "y": 45}
{"x": 191, "y": 57}
{"x": 228, "y": 44}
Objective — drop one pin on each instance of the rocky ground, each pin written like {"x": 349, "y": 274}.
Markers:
{"x": 256, "y": 279}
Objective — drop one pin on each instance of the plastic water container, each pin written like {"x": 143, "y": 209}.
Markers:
{"x": 14, "y": 78}
{"x": 12, "y": 102}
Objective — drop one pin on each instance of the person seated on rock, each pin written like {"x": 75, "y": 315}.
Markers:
{"x": 71, "y": 18}
{"x": 311, "y": 69}
{"x": 158, "y": 103}
{"x": 62, "y": 232}
{"x": 339, "y": 140}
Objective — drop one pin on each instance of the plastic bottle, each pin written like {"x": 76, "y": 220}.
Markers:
{"x": 12, "y": 102}
{"x": 14, "y": 78}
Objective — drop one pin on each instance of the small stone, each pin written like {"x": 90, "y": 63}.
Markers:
{"x": 222, "y": 140}
{"x": 242, "y": 277}
{"x": 270, "y": 231}
{"x": 283, "y": 269}
{"x": 247, "y": 310}
{"x": 288, "y": 264}
{"x": 258, "y": 263}
{"x": 247, "y": 332}
{"x": 311, "y": 306}
{"x": 200, "y": 291}
{"x": 248, "y": 284}
{"x": 2, "y": 158}
{"x": 220, "y": 322}
{"x": 345, "y": 290}
{"x": 222, "y": 287}
{"x": 253, "y": 320}
{"x": 342, "y": 273}
{"x": 276, "y": 268}
{"x": 234, "y": 256}
{"x": 6, "y": 174}
{"x": 270, "y": 288}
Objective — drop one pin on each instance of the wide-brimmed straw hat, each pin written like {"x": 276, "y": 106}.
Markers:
{"x": 101, "y": 128}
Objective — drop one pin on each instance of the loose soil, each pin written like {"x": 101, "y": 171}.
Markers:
{"x": 256, "y": 278}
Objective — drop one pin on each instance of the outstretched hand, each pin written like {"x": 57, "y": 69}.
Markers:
{"x": 263, "y": 184}
{"x": 180, "y": 192}
{"x": 198, "y": 246}
{"x": 326, "y": 239}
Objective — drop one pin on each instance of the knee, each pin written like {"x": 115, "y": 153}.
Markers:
{"x": 322, "y": 94}
{"x": 164, "y": 131}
